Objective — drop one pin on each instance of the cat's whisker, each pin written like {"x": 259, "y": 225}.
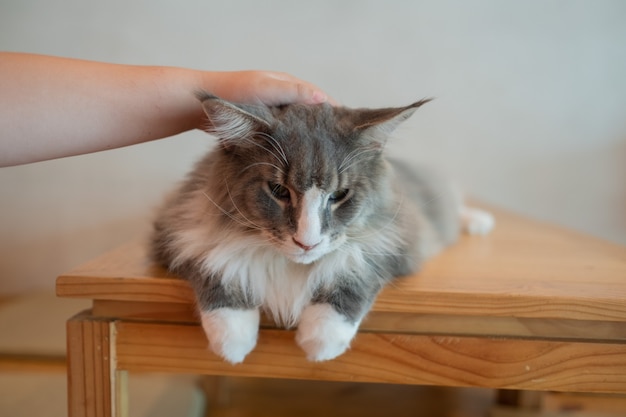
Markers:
{"x": 351, "y": 158}
{"x": 259, "y": 244}
{"x": 258, "y": 227}
{"x": 255, "y": 143}
{"x": 276, "y": 145}
{"x": 231, "y": 215}
{"x": 264, "y": 163}
{"x": 432, "y": 200}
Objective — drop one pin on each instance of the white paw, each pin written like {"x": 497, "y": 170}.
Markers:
{"x": 476, "y": 221}
{"x": 323, "y": 333}
{"x": 232, "y": 333}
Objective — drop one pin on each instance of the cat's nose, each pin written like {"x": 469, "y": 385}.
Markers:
{"x": 304, "y": 246}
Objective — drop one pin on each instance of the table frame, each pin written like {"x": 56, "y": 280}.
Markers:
{"x": 530, "y": 307}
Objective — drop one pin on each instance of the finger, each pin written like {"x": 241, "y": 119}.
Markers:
{"x": 286, "y": 90}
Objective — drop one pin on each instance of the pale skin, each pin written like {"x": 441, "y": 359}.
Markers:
{"x": 54, "y": 107}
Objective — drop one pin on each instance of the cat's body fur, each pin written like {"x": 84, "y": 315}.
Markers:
{"x": 298, "y": 213}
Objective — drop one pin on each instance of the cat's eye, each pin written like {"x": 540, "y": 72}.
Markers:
{"x": 338, "y": 196}
{"x": 279, "y": 192}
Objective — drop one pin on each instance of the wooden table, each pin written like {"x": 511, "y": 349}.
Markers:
{"x": 528, "y": 307}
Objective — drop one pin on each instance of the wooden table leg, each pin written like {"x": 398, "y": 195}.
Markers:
{"x": 95, "y": 387}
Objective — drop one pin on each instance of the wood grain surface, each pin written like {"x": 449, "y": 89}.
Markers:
{"x": 389, "y": 358}
{"x": 524, "y": 268}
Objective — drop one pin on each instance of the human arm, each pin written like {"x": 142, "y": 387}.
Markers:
{"x": 53, "y": 107}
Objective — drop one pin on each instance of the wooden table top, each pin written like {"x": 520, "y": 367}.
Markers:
{"x": 523, "y": 269}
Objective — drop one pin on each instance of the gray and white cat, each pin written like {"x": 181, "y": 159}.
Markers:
{"x": 298, "y": 213}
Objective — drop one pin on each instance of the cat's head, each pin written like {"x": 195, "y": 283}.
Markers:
{"x": 304, "y": 177}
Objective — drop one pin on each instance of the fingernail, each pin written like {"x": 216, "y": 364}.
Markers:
{"x": 318, "y": 97}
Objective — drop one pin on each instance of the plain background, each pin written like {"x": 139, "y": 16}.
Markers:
{"x": 529, "y": 111}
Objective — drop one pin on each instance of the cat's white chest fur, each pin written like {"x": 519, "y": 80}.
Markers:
{"x": 280, "y": 287}
{"x": 287, "y": 293}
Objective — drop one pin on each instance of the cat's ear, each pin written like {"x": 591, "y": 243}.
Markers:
{"x": 375, "y": 125}
{"x": 233, "y": 123}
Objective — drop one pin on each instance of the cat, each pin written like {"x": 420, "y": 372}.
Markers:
{"x": 297, "y": 212}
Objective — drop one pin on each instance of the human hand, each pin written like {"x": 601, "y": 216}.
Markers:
{"x": 265, "y": 87}
{"x": 109, "y": 105}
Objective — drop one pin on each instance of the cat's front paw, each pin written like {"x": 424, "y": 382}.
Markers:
{"x": 232, "y": 333}
{"x": 323, "y": 333}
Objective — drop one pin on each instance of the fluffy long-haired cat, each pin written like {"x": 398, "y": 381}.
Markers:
{"x": 298, "y": 213}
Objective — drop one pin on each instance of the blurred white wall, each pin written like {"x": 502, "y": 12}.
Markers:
{"x": 530, "y": 110}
